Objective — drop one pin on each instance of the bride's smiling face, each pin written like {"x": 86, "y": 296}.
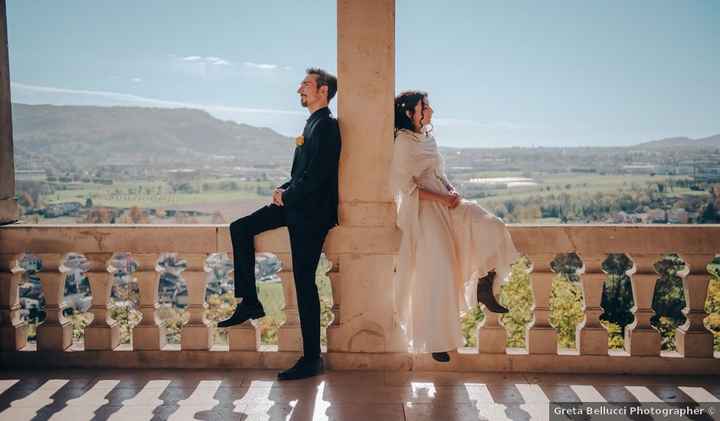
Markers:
{"x": 422, "y": 114}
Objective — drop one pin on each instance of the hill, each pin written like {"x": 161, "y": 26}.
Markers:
{"x": 681, "y": 142}
{"x": 93, "y": 134}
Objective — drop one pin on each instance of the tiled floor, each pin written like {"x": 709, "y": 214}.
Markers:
{"x": 337, "y": 395}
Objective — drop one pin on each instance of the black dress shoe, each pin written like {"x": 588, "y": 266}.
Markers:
{"x": 242, "y": 313}
{"x": 485, "y": 294}
{"x": 441, "y": 357}
{"x": 303, "y": 368}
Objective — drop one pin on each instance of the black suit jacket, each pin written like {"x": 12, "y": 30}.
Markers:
{"x": 311, "y": 195}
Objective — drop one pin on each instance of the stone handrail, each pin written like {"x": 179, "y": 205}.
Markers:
{"x": 362, "y": 334}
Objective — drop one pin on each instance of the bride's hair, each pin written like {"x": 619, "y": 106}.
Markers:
{"x": 407, "y": 101}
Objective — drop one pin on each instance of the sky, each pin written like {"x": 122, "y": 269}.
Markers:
{"x": 525, "y": 73}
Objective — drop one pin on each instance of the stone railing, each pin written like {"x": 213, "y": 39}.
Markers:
{"x": 362, "y": 334}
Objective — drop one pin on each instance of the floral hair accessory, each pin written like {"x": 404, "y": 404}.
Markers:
{"x": 300, "y": 140}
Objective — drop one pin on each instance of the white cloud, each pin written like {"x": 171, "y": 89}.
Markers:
{"x": 506, "y": 125}
{"x": 207, "y": 60}
{"x": 136, "y": 80}
{"x": 261, "y": 66}
{"x": 22, "y": 88}
{"x": 286, "y": 122}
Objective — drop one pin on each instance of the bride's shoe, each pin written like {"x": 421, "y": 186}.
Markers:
{"x": 485, "y": 294}
{"x": 441, "y": 357}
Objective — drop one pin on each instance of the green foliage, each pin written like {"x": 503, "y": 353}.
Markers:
{"x": 517, "y": 296}
{"x": 79, "y": 321}
{"x": 668, "y": 300}
{"x": 566, "y": 312}
{"x": 127, "y": 318}
{"x": 616, "y": 339}
{"x": 712, "y": 304}
{"x": 273, "y": 301}
{"x": 219, "y": 307}
{"x": 469, "y": 322}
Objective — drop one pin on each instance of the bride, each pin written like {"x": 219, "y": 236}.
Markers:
{"x": 450, "y": 247}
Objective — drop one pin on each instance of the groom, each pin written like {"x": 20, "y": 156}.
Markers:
{"x": 307, "y": 206}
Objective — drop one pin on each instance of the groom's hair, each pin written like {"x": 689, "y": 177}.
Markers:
{"x": 324, "y": 78}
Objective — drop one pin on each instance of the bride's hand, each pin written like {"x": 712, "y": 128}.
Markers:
{"x": 453, "y": 199}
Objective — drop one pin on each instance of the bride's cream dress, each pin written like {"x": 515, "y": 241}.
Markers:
{"x": 443, "y": 251}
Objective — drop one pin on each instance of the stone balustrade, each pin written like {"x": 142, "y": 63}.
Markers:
{"x": 362, "y": 334}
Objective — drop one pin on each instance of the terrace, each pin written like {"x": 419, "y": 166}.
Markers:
{"x": 370, "y": 374}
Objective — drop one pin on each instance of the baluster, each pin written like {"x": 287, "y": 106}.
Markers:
{"x": 55, "y": 334}
{"x": 542, "y": 337}
{"x": 592, "y": 336}
{"x": 642, "y": 339}
{"x": 242, "y": 337}
{"x": 102, "y": 332}
{"x": 13, "y": 330}
{"x": 196, "y": 335}
{"x": 289, "y": 336}
{"x": 147, "y": 334}
{"x": 693, "y": 339}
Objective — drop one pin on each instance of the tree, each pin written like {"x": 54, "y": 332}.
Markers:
{"x": 710, "y": 214}
{"x": 99, "y": 216}
{"x": 218, "y": 218}
{"x": 137, "y": 216}
{"x": 25, "y": 199}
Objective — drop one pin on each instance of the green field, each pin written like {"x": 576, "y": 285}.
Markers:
{"x": 155, "y": 194}
{"x": 573, "y": 183}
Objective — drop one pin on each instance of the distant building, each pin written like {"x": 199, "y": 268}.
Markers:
{"x": 656, "y": 215}
{"x": 639, "y": 169}
{"x": 30, "y": 175}
{"x": 62, "y": 209}
{"x": 678, "y": 216}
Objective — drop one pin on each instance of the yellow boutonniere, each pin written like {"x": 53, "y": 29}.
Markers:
{"x": 300, "y": 140}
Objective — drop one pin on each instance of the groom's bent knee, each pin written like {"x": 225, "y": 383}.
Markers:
{"x": 239, "y": 227}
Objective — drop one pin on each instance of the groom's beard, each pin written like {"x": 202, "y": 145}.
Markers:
{"x": 303, "y": 101}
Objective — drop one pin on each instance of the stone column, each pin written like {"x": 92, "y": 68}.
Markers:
{"x": 101, "y": 333}
{"x": 643, "y": 339}
{"x": 8, "y": 204}
{"x": 693, "y": 339}
{"x": 289, "y": 334}
{"x": 367, "y": 240}
{"x": 196, "y": 335}
{"x": 542, "y": 337}
{"x": 592, "y": 336}
{"x": 13, "y": 330}
{"x": 492, "y": 336}
{"x": 55, "y": 333}
{"x": 147, "y": 335}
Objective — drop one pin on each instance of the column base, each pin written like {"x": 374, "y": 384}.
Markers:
{"x": 13, "y": 338}
{"x": 492, "y": 340}
{"x": 54, "y": 337}
{"x": 102, "y": 337}
{"x": 243, "y": 337}
{"x": 694, "y": 343}
{"x": 289, "y": 338}
{"x": 643, "y": 342}
{"x": 593, "y": 341}
{"x": 147, "y": 338}
{"x": 196, "y": 337}
{"x": 542, "y": 340}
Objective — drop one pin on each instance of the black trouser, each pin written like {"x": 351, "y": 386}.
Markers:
{"x": 306, "y": 241}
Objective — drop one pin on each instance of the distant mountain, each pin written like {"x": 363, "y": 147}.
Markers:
{"x": 682, "y": 142}
{"x": 97, "y": 134}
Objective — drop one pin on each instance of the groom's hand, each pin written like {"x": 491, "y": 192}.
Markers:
{"x": 277, "y": 197}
